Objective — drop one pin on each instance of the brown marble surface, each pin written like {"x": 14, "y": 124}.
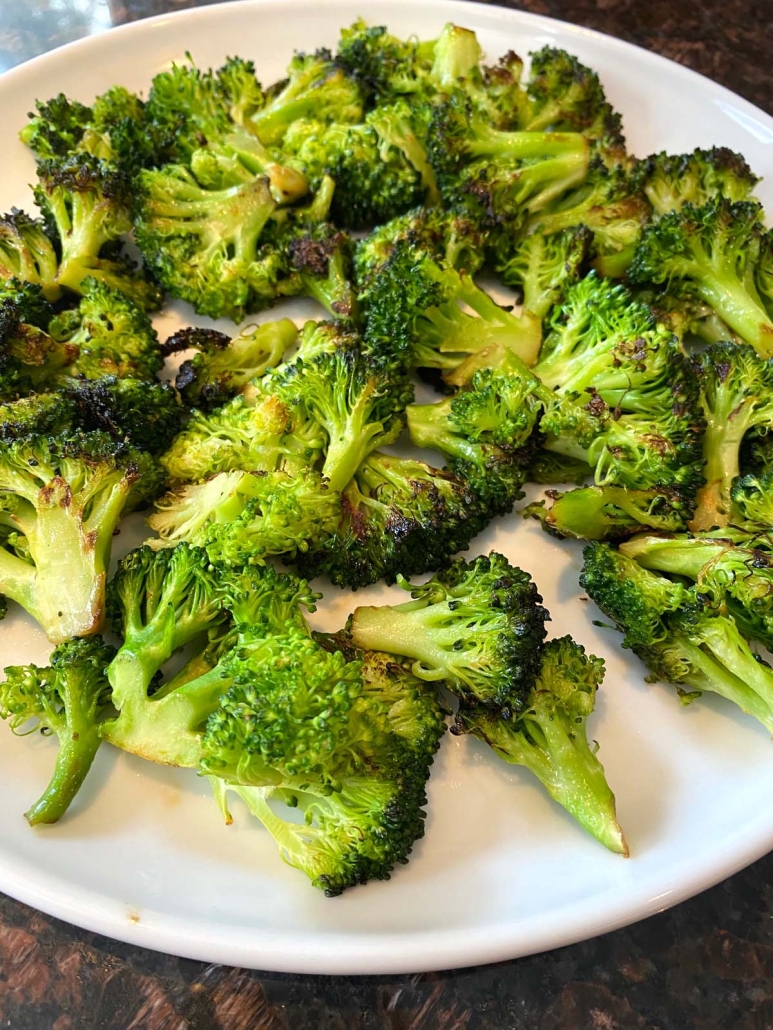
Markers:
{"x": 707, "y": 964}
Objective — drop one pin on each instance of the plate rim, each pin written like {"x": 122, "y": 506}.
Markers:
{"x": 357, "y": 953}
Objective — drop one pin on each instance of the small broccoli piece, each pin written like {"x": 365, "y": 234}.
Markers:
{"x": 636, "y": 600}
{"x": 67, "y": 698}
{"x": 543, "y": 266}
{"x": 112, "y": 333}
{"x": 204, "y": 244}
{"x": 40, "y": 414}
{"x": 57, "y": 128}
{"x": 66, "y": 495}
{"x": 27, "y": 253}
{"x": 611, "y": 205}
{"x": 611, "y": 512}
{"x": 241, "y": 518}
{"x": 487, "y": 431}
{"x": 29, "y": 358}
{"x": 383, "y": 65}
{"x": 238, "y": 157}
{"x": 751, "y": 498}
{"x": 348, "y": 741}
{"x": 714, "y": 248}
{"x": 223, "y": 367}
{"x": 548, "y": 468}
{"x": 399, "y": 516}
{"x": 258, "y": 432}
{"x": 735, "y": 395}
{"x": 673, "y": 180}
{"x": 680, "y": 636}
{"x": 146, "y": 414}
{"x": 549, "y": 738}
{"x": 565, "y": 95}
{"x": 321, "y": 257}
{"x": 358, "y": 405}
{"x": 476, "y": 626}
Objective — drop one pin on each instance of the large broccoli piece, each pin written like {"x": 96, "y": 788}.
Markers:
{"x": 67, "y": 699}
{"x": 240, "y": 518}
{"x": 222, "y": 367}
{"x": 344, "y": 737}
{"x": 549, "y": 738}
{"x": 476, "y": 626}
{"x": 63, "y": 497}
{"x": 681, "y": 637}
{"x": 399, "y": 516}
{"x": 714, "y": 248}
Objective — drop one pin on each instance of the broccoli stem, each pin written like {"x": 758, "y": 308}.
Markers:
{"x": 350, "y": 444}
{"x": 725, "y": 430}
{"x": 521, "y": 146}
{"x": 563, "y": 761}
{"x": 79, "y": 742}
{"x": 17, "y": 582}
{"x": 429, "y": 428}
{"x": 679, "y": 557}
{"x": 416, "y": 631}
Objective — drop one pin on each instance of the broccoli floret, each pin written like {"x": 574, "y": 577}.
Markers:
{"x": 29, "y": 358}
{"x": 347, "y": 742}
{"x": 146, "y": 414}
{"x": 543, "y": 267}
{"x": 611, "y": 512}
{"x": 548, "y": 468}
{"x": 112, "y": 333}
{"x": 40, "y": 414}
{"x": 27, "y": 253}
{"x": 487, "y": 431}
{"x": 549, "y": 738}
{"x": 399, "y": 516}
{"x": 66, "y": 495}
{"x": 714, "y": 248}
{"x": 735, "y": 394}
{"x": 678, "y": 633}
{"x": 241, "y": 518}
{"x": 57, "y": 128}
{"x": 611, "y": 205}
{"x": 673, "y": 180}
{"x": 223, "y": 367}
{"x": 68, "y": 699}
{"x": 238, "y": 157}
{"x": 383, "y": 65}
{"x": 476, "y": 626}
{"x": 358, "y": 405}
{"x": 636, "y": 600}
{"x": 321, "y": 258}
{"x": 751, "y": 498}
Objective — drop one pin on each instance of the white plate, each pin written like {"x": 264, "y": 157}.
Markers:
{"x": 502, "y": 871}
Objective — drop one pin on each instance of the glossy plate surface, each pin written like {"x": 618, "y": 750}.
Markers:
{"x": 143, "y": 855}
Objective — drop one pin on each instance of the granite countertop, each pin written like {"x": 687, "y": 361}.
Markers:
{"x": 707, "y": 964}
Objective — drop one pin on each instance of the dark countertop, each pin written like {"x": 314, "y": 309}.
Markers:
{"x": 707, "y": 964}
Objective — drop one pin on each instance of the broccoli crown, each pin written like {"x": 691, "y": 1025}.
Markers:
{"x": 223, "y": 367}
{"x": 549, "y": 738}
{"x": 262, "y": 433}
{"x": 636, "y": 599}
{"x": 673, "y": 180}
{"x": 147, "y": 414}
{"x": 477, "y": 626}
{"x": 612, "y": 512}
{"x": 27, "y": 253}
{"x": 542, "y": 266}
{"x": 66, "y": 495}
{"x": 204, "y": 244}
{"x": 358, "y": 405}
{"x": 735, "y": 385}
{"x": 564, "y": 95}
{"x": 40, "y": 414}
{"x": 398, "y": 516}
{"x": 240, "y": 518}
{"x": 751, "y": 497}
{"x": 67, "y": 698}
{"x": 113, "y": 335}
{"x": 713, "y": 247}
{"x": 25, "y": 302}
{"x": 383, "y": 65}
{"x": 487, "y": 431}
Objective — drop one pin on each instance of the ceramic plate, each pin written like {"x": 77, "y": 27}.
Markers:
{"x": 143, "y": 854}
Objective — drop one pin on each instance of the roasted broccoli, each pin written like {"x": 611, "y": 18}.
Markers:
{"x": 612, "y": 512}
{"x": 27, "y": 253}
{"x": 673, "y": 180}
{"x": 145, "y": 413}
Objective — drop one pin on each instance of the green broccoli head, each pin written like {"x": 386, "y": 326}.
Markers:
{"x": 68, "y": 699}
{"x": 673, "y": 180}
{"x": 550, "y": 738}
{"x": 241, "y": 518}
{"x": 542, "y": 266}
{"x": 29, "y": 358}
{"x": 146, "y": 413}
{"x": 321, "y": 257}
{"x": 27, "y": 253}
{"x": 476, "y": 626}
{"x": 66, "y": 496}
{"x": 384, "y": 66}
{"x": 398, "y": 516}
{"x": 40, "y": 414}
{"x": 714, "y": 248}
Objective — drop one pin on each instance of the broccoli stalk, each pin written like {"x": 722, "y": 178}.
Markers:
{"x": 549, "y": 738}
{"x": 477, "y": 626}
{"x": 66, "y": 497}
{"x": 611, "y": 512}
{"x": 67, "y": 699}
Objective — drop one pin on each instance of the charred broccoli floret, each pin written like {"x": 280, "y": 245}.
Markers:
{"x": 27, "y": 253}
{"x": 146, "y": 414}
{"x": 673, "y": 180}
